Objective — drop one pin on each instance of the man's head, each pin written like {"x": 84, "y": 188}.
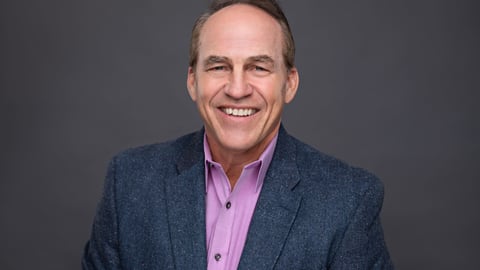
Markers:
{"x": 269, "y": 6}
{"x": 240, "y": 79}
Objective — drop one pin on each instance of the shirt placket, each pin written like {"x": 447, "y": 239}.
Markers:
{"x": 222, "y": 235}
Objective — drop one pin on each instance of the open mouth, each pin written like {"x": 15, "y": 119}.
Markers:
{"x": 239, "y": 112}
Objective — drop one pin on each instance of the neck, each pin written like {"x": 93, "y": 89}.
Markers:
{"x": 233, "y": 161}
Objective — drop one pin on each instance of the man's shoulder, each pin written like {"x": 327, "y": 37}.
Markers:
{"x": 328, "y": 182}
{"x": 160, "y": 153}
{"x": 322, "y": 168}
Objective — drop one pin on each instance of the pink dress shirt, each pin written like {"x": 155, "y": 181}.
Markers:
{"x": 228, "y": 213}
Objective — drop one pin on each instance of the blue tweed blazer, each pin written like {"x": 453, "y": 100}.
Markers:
{"x": 314, "y": 212}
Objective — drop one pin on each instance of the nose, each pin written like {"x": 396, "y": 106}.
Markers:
{"x": 238, "y": 86}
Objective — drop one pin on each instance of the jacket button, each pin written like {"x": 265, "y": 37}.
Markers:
{"x": 228, "y": 205}
{"x": 218, "y": 257}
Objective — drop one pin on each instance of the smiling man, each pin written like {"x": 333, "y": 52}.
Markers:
{"x": 241, "y": 193}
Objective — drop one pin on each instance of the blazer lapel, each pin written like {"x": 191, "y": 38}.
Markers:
{"x": 186, "y": 207}
{"x": 276, "y": 209}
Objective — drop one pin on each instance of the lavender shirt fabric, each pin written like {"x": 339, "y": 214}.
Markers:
{"x": 228, "y": 213}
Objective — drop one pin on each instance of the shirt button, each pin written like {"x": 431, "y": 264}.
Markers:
{"x": 228, "y": 205}
{"x": 218, "y": 257}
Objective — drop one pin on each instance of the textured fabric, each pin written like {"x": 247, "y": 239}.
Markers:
{"x": 229, "y": 212}
{"x": 314, "y": 212}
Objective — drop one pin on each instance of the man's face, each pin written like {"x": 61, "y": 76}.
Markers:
{"x": 240, "y": 83}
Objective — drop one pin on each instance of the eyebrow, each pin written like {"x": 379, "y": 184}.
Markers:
{"x": 262, "y": 59}
{"x": 214, "y": 59}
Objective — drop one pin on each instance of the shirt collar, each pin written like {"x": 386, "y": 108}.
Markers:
{"x": 263, "y": 161}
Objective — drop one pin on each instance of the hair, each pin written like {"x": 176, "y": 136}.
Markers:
{"x": 271, "y": 7}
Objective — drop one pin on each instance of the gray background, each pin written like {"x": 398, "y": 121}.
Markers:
{"x": 391, "y": 86}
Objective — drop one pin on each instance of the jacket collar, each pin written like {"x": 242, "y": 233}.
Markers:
{"x": 276, "y": 208}
{"x": 186, "y": 204}
{"x": 274, "y": 214}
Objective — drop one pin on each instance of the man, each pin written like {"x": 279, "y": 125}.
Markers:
{"x": 241, "y": 193}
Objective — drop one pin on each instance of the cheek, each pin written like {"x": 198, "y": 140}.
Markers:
{"x": 273, "y": 93}
{"x": 201, "y": 89}
{"x": 208, "y": 89}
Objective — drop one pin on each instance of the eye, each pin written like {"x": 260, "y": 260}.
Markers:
{"x": 218, "y": 68}
{"x": 259, "y": 70}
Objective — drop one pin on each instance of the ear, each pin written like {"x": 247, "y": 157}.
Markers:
{"x": 291, "y": 85}
{"x": 191, "y": 83}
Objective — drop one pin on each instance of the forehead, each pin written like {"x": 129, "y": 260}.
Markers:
{"x": 241, "y": 28}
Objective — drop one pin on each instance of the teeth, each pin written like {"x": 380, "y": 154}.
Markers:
{"x": 239, "y": 112}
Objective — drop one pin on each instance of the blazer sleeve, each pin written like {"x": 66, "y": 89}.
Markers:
{"x": 101, "y": 251}
{"x": 363, "y": 245}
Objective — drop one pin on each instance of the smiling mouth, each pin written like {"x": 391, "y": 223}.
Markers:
{"x": 239, "y": 112}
